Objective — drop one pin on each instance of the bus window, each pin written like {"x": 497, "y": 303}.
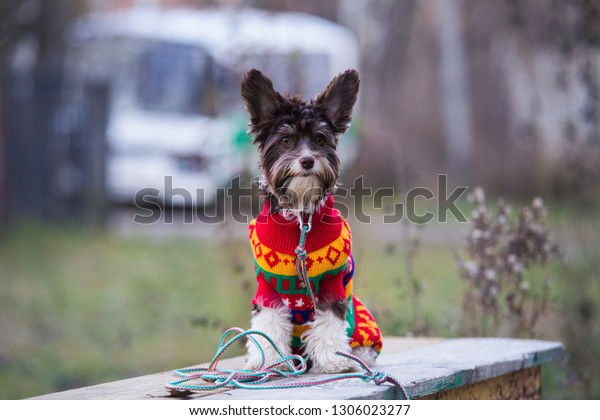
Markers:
{"x": 174, "y": 78}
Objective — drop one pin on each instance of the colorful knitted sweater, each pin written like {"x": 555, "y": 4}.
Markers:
{"x": 330, "y": 268}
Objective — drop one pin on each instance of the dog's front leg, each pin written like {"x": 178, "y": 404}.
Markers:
{"x": 327, "y": 334}
{"x": 277, "y": 325}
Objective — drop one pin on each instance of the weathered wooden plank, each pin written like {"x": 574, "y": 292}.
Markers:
{"x": 153, "y": 386}
{"x": 424, "y": 366}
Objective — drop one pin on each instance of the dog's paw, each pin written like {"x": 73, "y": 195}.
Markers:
{"x": 332, "y": 363}
{"x": 275, "y": 323}
{"x": 325, "y": 336}
{"x": 367, "y": 354}
{"x": 253, "y": 362}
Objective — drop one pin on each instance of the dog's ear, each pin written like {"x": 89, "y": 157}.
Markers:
{"x": 260, "y": 97}
{"x": 339, "y": 98}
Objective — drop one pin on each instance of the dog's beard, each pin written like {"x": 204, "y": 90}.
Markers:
{"x": 297, "y": 189}
{"x": 300, "y": 194}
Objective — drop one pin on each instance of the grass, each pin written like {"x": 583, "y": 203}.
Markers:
{"x": 79, "y": 307}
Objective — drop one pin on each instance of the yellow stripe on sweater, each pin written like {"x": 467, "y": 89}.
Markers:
{"x": 330, "y": 257}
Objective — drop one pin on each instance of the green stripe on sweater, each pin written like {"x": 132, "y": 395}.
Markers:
{"x": 279, "y": 279}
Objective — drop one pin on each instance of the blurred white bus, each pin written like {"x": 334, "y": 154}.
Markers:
{"x": 174, "y": 108}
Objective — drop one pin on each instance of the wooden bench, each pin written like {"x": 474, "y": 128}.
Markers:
{"x": 430, "y": 368}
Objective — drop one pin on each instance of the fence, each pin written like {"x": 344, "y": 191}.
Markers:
{"x": 52, "y": 149}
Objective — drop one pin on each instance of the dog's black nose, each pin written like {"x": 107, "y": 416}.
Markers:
{"x": 307, "y": 162}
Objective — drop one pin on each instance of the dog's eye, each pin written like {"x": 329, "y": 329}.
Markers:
{"x": 320, "y": 139}
{"x": 286, "y": 140}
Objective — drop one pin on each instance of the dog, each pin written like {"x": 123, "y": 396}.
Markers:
{"x": 297, "y": 143}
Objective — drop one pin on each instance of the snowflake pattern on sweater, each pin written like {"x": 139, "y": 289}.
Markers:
{"x": 330, "y": 268}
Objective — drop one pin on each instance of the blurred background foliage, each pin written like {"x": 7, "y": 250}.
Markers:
{"x": 501, "y": 94}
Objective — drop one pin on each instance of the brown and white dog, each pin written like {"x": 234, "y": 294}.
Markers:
{"x": 297, "y": 141}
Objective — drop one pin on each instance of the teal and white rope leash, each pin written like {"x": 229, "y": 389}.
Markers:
{"x": 287, "y": 366}
{"x": 215, "y": 378}
{"x": 301, "y": 256}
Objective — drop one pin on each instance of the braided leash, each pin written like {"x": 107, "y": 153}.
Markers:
{"x": 243, "y": 378}
{"x": 287, "y": 366}
{"x": 215, "y": 378}
{"x": 301, "y": 256}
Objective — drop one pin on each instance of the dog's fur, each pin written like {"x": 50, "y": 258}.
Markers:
{"x": 297, "y": 141}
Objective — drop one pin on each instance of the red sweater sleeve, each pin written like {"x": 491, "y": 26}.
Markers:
{"x": 332, "y": 288}
{"x": 266, "y": 295}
